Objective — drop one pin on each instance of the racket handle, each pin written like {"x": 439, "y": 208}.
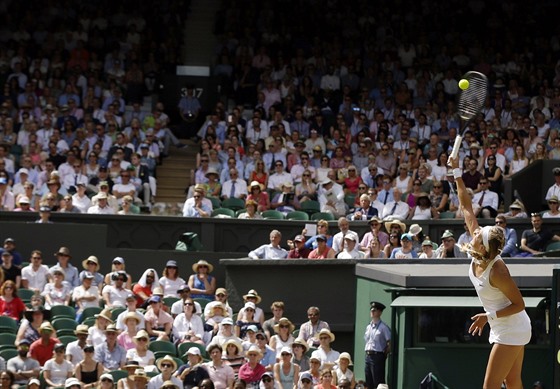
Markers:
{"x": 456, "y": 146}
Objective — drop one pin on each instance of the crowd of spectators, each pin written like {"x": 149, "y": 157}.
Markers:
{"x": 72, "y": 115}
{"x": 360, "y": 114}
{"x": 73, "y": 326}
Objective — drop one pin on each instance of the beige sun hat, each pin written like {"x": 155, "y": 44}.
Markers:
{"x": 389, "y": 223}
{"x": 284, "y": 321}
{"x": 133, "y": 316}
{"x": 253, "y": 293}
{"x": 141, "y": 334}
{"x": 169, "y": 359}
{"x": 202, "y": 263}
{"x": 106, "y": 314}
{"x": 325, "y": 331}
{"x": 345, "y": 355}
{"x": 91, "y": 258}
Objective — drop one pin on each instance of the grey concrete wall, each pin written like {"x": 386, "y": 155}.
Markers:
{"x": 220, "y": 235}
{"x": 329, "y": 285}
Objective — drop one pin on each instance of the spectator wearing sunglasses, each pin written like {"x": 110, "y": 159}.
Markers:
{"x": 510, "y": 247}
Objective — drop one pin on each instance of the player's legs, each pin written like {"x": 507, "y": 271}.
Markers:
{"x": 504, "y": 361}
{"x": 513, "y": 379}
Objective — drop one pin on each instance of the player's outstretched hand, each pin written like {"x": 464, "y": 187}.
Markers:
{"x": 477, "y": 326}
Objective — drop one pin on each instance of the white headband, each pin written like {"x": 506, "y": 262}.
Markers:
{"x": 485, "y": 236}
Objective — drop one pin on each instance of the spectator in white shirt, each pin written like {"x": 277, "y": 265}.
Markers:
{"x": 35, "y": 275}
{"x": 234, "y": 187}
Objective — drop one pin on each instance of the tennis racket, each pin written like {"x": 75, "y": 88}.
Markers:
{"x": 469, "y": 103}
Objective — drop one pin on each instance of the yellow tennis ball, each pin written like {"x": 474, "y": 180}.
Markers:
{"x": 464, "y": 84}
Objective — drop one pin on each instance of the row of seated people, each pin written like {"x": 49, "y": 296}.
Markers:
{"x": 390, "y": 239}
{"x": 132, "y": 338}
{"x": 415, "y": 195}
{"x": 64, "y": 284}
{"x": 94, "y": 156}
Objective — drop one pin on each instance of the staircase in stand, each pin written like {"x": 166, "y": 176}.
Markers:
{"x": 174, "y": 175}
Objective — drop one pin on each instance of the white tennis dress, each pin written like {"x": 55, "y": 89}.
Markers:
{"x": 514, "y": 330}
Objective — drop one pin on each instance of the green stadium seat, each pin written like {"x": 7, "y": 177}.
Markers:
{"x": 322, "y": 215}
{"x": 310, "y": 207}
{"x": 234, "y": 204}
{"x": 63, "y": 311}
{"x": 273, "y": 215}
{"x": 297, "y": 215}
{"x": 223, "y": 211}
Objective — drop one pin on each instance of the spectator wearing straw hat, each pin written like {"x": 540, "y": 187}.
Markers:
{"x": 130, "y": 321}
{"x": 91, "y": 264}
{"x": 325, "y": 352}
{"x": 141, "y": 352}
{"x": 202, "y": 284}
{"x": 131, "y": 306}
{"x": 553, "y": 210}
{"x": 299, "y": 357}
{"x": 342, "y": 371}
{"x": 42, "y": 349}
{"x": 110, "y": 354}
{"x": 75, "y": 349}
{"x": 167, "y": 366}
{"x": 252, "y": 371}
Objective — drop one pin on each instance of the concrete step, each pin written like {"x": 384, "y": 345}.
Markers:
{"x": 174, "y": 174}
{"x": 171, "y": 199}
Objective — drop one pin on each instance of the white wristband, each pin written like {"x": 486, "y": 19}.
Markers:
{"x": 491, "y": 315}
{"x": 457, "y": 173}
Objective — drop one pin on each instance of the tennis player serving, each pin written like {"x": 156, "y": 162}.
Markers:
{"x": 510, "y": 326}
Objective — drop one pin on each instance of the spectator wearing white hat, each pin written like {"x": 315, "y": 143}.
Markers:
{"x": 192, "y": 373}
{"x": 86, "y": 295}
{"x": 247, "y": 319}
{"x": 224, "y": 332}
{"x": 342, "y": 371}
{"x": 331, "y": 198}
{"x": 350, "y": 248}
{"x": 554, "y": 189}
{"x": 338, "y": 239}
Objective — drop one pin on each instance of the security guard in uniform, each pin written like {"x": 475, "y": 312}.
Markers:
{"x": 378, "y": 346}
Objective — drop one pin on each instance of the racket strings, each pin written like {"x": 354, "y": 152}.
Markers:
{"x": 472, "y": 99}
